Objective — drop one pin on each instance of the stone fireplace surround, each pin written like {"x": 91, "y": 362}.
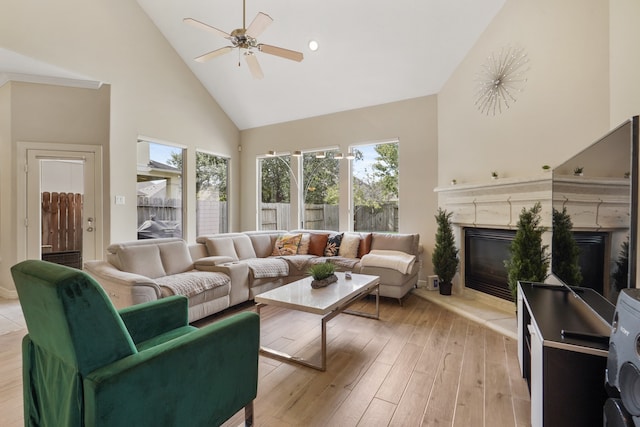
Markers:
{"x": 595, "y": 204}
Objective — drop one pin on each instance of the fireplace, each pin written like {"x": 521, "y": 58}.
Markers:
{"x": 486, "y": 249}
{"x": 485, "y": 253}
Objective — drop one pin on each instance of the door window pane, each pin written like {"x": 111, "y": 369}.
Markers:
{"x": 159, "y": 185}
{"x": 375, "y": 187}
{"x": 211, "y": 194}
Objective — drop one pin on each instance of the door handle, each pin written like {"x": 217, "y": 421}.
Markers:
{"x": 90, "y": 222}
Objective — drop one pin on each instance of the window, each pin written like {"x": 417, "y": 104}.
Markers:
{"x": 375, "y": 187}
{"x": 212, "y": 178}
{"x": 275, "y": 193}
{"x": 159, "y": 185}
{"x": 320, "y": 184}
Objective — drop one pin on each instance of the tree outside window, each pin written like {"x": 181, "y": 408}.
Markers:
{"x": 375, "y": 192}
{"x": 320, "y": 184}
{"x": 212, "y": 208}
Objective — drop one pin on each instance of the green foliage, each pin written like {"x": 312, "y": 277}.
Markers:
{"x": 445, "y": 255}
{"x": 320, "y": 178}
{"x": 565, "y": 250}
{"x": 211, "y": 172}
{"x": 322, "y": 270}
{"x": 529, "y": 260}
{"x": 620, "y": 275}
{"x": 379, "y": 185}
{"x": 275, "y": 180}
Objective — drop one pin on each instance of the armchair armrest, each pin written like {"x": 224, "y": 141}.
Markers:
{"x": 150, "y": 319}
{"x": 201, "y": 378}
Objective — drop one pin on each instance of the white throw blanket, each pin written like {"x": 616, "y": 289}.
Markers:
{"x": 396, "y": 260}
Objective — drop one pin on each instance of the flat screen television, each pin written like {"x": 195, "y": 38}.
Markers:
{"x": 608, "y": 187}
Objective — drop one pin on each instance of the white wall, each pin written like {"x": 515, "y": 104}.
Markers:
{"x": 413, "y": 121}
{"x": 625, "y": 59}
{"x": 152, "y": 93}
{"x": 563, "y": 108}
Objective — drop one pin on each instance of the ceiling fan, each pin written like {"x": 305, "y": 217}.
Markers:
{"x": 246, "y": 38}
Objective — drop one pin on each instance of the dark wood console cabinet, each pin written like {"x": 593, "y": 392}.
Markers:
{"x": 566, "y": 374}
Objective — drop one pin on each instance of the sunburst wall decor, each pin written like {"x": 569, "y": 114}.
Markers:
{"x": 500, "y": 80}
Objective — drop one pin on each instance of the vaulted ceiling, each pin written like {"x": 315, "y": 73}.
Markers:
{"x": 370, "y": 52}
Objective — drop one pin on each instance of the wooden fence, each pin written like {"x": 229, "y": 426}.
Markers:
{"x": 61, "y": 222}
{"x": 276, "y": 216}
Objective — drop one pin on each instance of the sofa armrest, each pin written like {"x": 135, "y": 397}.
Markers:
{"x": 153, "y": 318}
{"x": 212, "y": 373}
{"x": 203, "y": 264}
{"x": 123, "y": 288}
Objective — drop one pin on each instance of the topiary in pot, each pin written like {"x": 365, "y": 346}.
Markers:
{"x": 620, "y": 276}
{"x": 323, "y": 275}
{"x": 529, "y": 260}
{"x": 565, "y": 250}
{"x": 445, "y": 255}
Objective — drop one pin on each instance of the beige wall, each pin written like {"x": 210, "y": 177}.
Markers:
{"x": 625, "y": 59}
{"x": 152, "y": 93}
{"x": 413, "y": 121}
{"x": 43, "y": 113}
{"x": 562, "y": 109}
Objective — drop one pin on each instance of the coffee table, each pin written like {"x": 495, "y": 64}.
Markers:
{"x": 327, "y": 302}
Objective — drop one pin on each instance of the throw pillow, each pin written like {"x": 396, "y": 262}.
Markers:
{"x": 365, "y": 245}
{"x": 349, "y": 245}
{"x": 303, "y": 249}
{"x": 286, "y": 244}
{"x": 317, "y": 243}
{"x": 333, "y": 245}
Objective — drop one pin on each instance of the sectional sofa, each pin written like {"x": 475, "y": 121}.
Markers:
{"x": 222, "y": 270}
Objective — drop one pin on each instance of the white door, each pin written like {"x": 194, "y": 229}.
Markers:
{"x": 70, "y": 172}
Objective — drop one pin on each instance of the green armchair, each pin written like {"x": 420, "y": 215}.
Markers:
{"x": 86, "y": 364}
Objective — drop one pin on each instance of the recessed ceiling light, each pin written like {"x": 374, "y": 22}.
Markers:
{"x": 313, "y": 45}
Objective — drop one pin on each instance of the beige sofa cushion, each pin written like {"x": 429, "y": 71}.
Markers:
{"x": 143, "y": 260}
{"x": 262, "y": 244}
{"x": 222, "y": 246}
{"x": 175, "y": 257}
{"x": 395, "y": 242}
{"x": 243, "y": 247}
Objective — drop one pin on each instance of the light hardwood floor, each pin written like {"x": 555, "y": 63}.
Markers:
{"x": 420, "y": 364}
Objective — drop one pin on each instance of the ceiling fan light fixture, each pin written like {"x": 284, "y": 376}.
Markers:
{"x": 313, "y": 45}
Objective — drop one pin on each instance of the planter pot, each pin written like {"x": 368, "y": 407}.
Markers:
{"x": 445, "y": 288}
{"x": 315, "y": 284}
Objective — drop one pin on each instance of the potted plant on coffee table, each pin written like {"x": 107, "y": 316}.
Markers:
{"x": 323, "y": 275}
{"x": 445, "y": 255}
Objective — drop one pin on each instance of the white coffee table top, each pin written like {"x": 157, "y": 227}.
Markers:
{"x": 299, "y": 295}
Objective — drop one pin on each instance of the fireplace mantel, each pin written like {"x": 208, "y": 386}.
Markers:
{"x": 496, "y": 204}
{"x": 592, "y": 203}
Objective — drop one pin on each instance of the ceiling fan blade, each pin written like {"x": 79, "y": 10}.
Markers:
{"x": 281, "y": 52}
{"x": 258, "y": 25}
{"x": 213, "y": 54}
{"x": 254, "y": 66}
{"x": 206, "y": 27}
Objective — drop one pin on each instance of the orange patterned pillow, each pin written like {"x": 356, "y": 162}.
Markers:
{"x": 286, "y": 244}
